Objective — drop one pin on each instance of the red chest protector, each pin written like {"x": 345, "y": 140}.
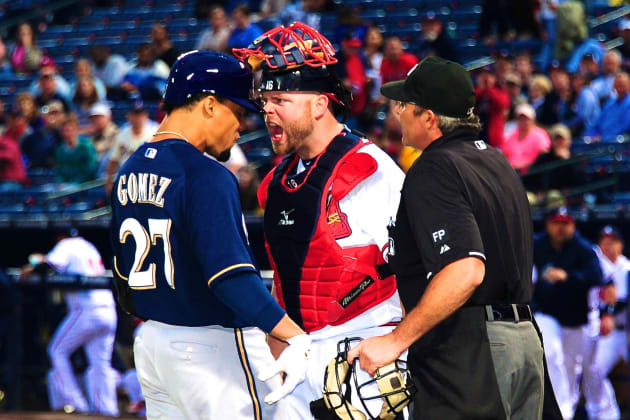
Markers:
{"x": 318, "y": 282}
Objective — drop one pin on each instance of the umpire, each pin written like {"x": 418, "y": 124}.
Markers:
{"x": 461, "y": 248}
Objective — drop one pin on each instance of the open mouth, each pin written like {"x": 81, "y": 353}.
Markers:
{"x": 275, "y": 131}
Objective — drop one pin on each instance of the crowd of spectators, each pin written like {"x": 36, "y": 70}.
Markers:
{"x": 65, "y": 124}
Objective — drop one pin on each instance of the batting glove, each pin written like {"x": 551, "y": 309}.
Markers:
{"x": 293, "y": 362}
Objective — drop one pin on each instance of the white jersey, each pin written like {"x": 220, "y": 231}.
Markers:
{"x": 369, "y": 207}
{"x": 78, "y": 256}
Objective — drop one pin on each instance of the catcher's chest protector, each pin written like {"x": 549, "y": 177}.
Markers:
{"x": 317, "y": 281}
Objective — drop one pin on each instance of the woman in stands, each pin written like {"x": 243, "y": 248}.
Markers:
{"x": 84, "y": 98}
{"x": 26, "y": 56}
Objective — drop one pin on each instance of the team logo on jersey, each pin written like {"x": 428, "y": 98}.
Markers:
{"x": 337, "y": 221}
{"x": 150, "y": 153}
{"x": 285, "y": 221}
{"x": 481, "y": 145}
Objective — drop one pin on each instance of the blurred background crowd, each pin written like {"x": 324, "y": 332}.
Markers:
{"x": 81, "y": 82}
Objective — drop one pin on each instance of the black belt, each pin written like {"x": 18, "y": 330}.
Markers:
{"x": 508, "y": 312}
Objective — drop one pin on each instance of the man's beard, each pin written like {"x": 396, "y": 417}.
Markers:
{"x": 295, "y": 133}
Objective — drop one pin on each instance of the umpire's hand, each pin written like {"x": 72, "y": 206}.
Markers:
{"x": 293, "y": 362}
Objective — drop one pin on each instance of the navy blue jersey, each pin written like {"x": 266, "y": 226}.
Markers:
{"x": 178, "y": 230}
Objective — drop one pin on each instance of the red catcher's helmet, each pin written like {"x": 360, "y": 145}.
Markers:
{"x": 284, "y": 48}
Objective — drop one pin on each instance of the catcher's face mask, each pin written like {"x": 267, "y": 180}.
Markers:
{"x": 393, "y": 383}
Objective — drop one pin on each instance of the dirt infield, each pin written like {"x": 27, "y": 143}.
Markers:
{"x": 58, "y": 416}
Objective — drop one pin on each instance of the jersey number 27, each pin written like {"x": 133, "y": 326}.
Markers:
{"x": 158, "y": 228}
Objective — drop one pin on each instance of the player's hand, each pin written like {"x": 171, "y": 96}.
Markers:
{"x": 608, "y": 294}
{"x": 607, "y": 324}
{"x": 293, "y": 362}
{"x": 554, "y": 275}
{"x": 375, "y": 352}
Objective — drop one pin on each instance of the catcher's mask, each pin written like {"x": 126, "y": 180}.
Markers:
{"x": 393, "y": 381}
{"x": 296, "y": 58}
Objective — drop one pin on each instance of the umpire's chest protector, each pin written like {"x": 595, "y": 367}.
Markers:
{"x": 318, "y": 282}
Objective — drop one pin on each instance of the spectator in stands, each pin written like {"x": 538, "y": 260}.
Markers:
{"x": 139, "y": 131}
{"x": 39, "y": 147}
{"x": 352, "y": 71}
{"x": 396, "y": 62}
{"x": 373, "y": 52}
{"x": 556, "y": 106}
{"x": 102, "y": 129}
{"x": 245, "y": 31}
{"x": 436, "y": 39}
{"x": 613, "y": 120}
{"x": 12, "y": 170}
{"x": 307, "y": 11}
{"x": 147, "y": 77}
{"x": 524, "y": 16}
{"x": 5, "y": 63}
{"x": 539, "y": 88}
{"x": 84, "y": 98}
{"x": 248, "y": 182}
{"x": 26, "y": 56}
{"x": 269, "y": 9}
{"x": 547, "y": 184}
{"x": 503, "y": 64}
{"x": 585, "y": 105}
{"x": 349, "y": 24}
{"x": 110, "y": 68}
{"x": 216, "y": 37}
{"x": 162, "y": 46}
{"x": 496, "y": 12}
{"x": 83, "y": 68}
{"x": 49, "y": 89}
{"x": 61, "y": 85}
{"x": 26, "y": 102}
{"x": 16, "y": 124}
{"x": 492, "y": 105}
{"x": 75, "y": 158}
{"x": 624, "y": 49}
{"x": 513, "y": 85}
{"x": 523, "y": 145}
{"x": 525, "y": 69}
{"x": 588, "y": 66}
{"x": 603, "y": 85}
{"x": 571, "y": 29}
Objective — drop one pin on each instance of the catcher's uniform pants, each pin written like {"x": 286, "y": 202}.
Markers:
{"x": 297, "y": 403}
{"x": 204, "y": 373}
{"x": 95, "y": 328}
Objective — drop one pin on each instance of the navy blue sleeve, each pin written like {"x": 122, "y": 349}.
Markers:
{"x": 590, "y": 274}
{"x": 248, "y": 297}
{"x": 215, "y": 223}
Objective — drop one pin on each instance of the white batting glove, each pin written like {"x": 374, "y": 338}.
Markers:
{"x": 293, "y": 361}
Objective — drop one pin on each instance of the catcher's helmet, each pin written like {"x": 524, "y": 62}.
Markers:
{"x": 394, "y": 387}
{"x": 212, "y": 72}
{"x": 296, "y": 58}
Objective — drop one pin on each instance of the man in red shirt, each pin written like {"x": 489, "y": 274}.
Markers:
{"x": 12, "y": 170}
{"x": 396, "y": 63}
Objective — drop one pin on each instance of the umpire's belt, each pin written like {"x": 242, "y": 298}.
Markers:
{"x": 508, "y": 312}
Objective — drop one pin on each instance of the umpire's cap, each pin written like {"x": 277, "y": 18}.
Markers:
{"x": 440, "y": 85}
{"x": 209, "y": 71}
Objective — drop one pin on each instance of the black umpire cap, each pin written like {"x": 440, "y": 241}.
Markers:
{"x": 442, "y": 86}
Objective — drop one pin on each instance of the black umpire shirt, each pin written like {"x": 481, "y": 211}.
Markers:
{"x": 461, "y": 198}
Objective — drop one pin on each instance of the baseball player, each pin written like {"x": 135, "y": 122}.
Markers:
{"x": 91, "y": 323}
{"x": 567, "y": 271}
{"x": 327, "y": 204}
{"x": 182, "y": 259}
{"x": 611, "y": 346}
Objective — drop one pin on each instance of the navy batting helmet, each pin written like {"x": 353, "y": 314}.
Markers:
{"x": 212, "y": 72}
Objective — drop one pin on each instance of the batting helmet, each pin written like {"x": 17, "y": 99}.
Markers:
{"x": 394, "y": 387}
{"x": 296, "y": 58}
{"x": 212, "y": 72}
